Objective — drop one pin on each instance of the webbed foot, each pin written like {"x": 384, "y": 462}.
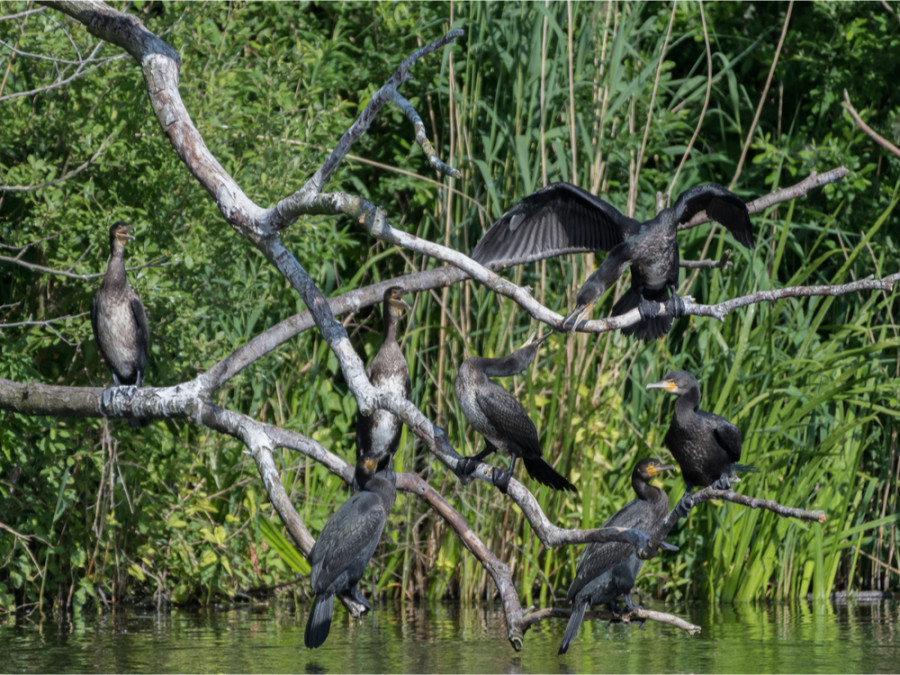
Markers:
{"x": 465, "y": 466}
{"x": 685, "y": 505}
{"x": 648, "y": 309}
{"x": 107, "y": 397}
{"x": 630, "y": 607}
{"x": 500, "y": 478}
{"x": 723, "y": 483}
{"x": 675, "y": 306}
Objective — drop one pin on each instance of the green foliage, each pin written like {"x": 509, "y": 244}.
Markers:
{"x": 102, "y": 512}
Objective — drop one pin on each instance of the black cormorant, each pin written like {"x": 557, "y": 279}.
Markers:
{"x": 562, "y": 218}
{"x": 501, "y": 419}
{"x": 342, "y": 551}
{"x": 609, "y": 570}
{"x": 118, "y": 318}
{"x": 706, "y": 446}
{"x": 380, "y": 431}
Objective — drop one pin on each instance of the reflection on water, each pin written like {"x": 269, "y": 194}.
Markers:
{"x": 804, "y": 637}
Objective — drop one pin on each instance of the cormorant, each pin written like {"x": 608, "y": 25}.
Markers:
{"x": 342, "y": 551}
{"x": 609, "y": 570}
{"x": 501, "y": 419}
{"x": 705, "y": 445}
{"x": 380, "y": 431}
{"x": 563, "y": 218}
{"x": 118, "y": 318}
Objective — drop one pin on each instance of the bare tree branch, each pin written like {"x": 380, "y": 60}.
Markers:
{"x": 890, "y": 9}
{"x": 720, "y": 310}
{"x": 59, "y": 83}
{"x": 21, "y": 15}
{"x": 53, "y": 59}
{"x": 881, "y": 140}
{"x": 723, "y": 263}
{"x": 159, "y": 262}
{"x": 45, "y": 322}
{"x": 638, "y": 613}
{"x": 704, "y": 495}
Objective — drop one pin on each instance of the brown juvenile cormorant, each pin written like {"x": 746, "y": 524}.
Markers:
{"x": 501, "y": 419}
{"x": 342, "y": 551}
{"x": 609, "y": 570}
{"x": 380, "y": 431}
{"x": 118, "y": 318}
{"x": 705, "y": 445}
{"x": 562, "y": 218}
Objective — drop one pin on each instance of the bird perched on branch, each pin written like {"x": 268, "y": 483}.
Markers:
{"x": 562, "y": 218}
{"x": 706, "y": 446}
{"x": 347, "y": 542}
{"x": 119, "y": 320}
{"x": 609, "y": 570}
{"x": 501, "y": 419}
{"x": 380, "y": 431}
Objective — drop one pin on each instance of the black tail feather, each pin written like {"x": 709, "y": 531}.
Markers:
{"x": 543, "y": 473}
{"x": 319, "y": 622}
{"x": 745, "y": 468}
{"x": 573, "y": 625}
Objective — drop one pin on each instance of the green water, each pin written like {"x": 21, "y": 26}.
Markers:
{"x": 859, "y": 637}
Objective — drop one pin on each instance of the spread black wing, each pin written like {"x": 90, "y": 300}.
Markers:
{"x": 560, "y": 218}
{"x": 722, "y": 205}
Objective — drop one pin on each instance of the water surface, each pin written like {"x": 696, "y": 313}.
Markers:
{"x": 804, "y": 637}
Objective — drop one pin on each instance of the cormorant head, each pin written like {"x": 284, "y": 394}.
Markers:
{"x": 368, "y": 465}
{"x": 394, "y": 302}
{"x": 120, "y": 233}
{"x": 678, "y": 382}
{"x": 650, "y": 468}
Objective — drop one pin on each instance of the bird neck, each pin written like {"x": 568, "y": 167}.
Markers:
{"x": 513, "y": 364}
{"x": 384, "y": 484}
{"x": 644, "y": 490}
{"x": 115, "y": 266}
{"x": 688, "y": 402}
{"x": 669, "y": 220}
{"x": 391, "y": 321}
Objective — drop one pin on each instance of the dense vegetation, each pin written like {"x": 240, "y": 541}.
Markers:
{"x": 93, "y": 511}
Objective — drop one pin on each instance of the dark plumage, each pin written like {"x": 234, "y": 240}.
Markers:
{"x": 380, "y": 431}
{"x": 118, "y": 318}
{"x": 347, "y": 541}
{"x": 501, "y": 419}
{"x": 562, "y": 218}
{"x": 607, "y": 571}
{"x": 706, "y": 446}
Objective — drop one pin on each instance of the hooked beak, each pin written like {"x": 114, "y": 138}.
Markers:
{"x": 125, "y": 233}
{"x": 656, "y": 469}
{"x": 667, "y": 385}
{"x": 575, "y": 317}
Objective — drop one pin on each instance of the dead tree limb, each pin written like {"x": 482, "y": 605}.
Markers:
{"x": 638, "y": 613}
{"x": 704, "y": 495}
{"x": 870, "y": 132}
